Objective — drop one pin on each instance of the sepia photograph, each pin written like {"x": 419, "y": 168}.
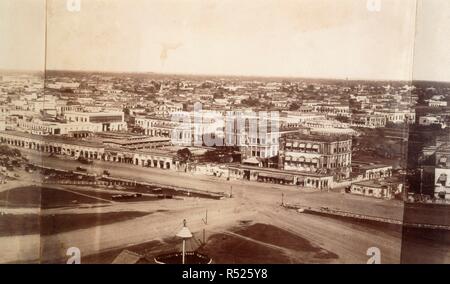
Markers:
{"x": 224, "y": 132}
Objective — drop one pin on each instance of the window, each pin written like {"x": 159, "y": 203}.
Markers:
{"x": 442, "y": 180}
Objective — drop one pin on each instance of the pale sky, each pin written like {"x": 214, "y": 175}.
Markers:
{"x": 22, "y": 35}
{"x": 432, "y": 48}
{"x": 299, "y": 38}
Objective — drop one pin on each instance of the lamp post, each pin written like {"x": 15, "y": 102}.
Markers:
{"x": 185, "y": 234}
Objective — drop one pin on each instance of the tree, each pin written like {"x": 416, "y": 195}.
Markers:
{"x": 16, "y": 153}
{"x": 219, "y": 96}
{"x": 5, "y": 150}
{"x": 184, "y": 155}
{"x": 343, "y": 119}
{"x": 221, "y": 154}
{"x": 251, "y": 102}
{"x": 310, "y": 87}
{"x": 294, "y": 106}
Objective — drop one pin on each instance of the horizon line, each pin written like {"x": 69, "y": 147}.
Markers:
{"x": 218, "y": 75}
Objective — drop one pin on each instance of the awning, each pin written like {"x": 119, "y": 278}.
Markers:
{"x": 288, "y": 158}
{"x": 315, "y": 146}
{"x": 295, "y": 144}
{"x": 443, "y": 160}
{"x": 309, "y": 145}
{"x": 288, "y": 144}
{"x": 252, "y": 160}
{"x": 301, "y": 159}
{"x": 302, "y": 145}
{"x": 300, "y": 178}
{"x": 442, "y": 178}
{"x": 276, "y": 176}
{"x": 308, "y": 160}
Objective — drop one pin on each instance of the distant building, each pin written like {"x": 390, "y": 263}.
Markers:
{"x": 3, "y": 114}
{"x": 370, "y": 171}
{"x": 47, "y": 127}
{"x": 368, "y": 121}
{"x": 291, "y": 119}
{"x": 442, "y": 172}
{"x": 63, "y": 85}
{"x": 398, "y": 115}
{"x": 435, "y": 103}
{"x": 93, "y": 149}
{"x": 109, "y": 120}
{"x": 130, "y": 141}
{"x": 329, "y": 126}
{"x": 429, "y": 120}
{"x": 165, "y": 109}
{"x": 61, "y": 108}
{"x": 435, "y": 168}
{"x": 278, "y": 176}
{"x": 442, "y": 183}
{"x": 375, "y": 188}
{"x": 333, "y": 110}
{"x": 157, "y": 126}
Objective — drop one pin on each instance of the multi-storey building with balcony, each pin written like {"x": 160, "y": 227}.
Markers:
{"x": 327, "y": 154}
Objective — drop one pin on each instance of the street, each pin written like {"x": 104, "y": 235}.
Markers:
{"x": 259, "y": 202}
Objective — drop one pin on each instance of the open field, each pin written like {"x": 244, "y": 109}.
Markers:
{"x": 427, "y": 213}
{"x": 264, "y": 243}
{"x": 57, "y": 196}
{"x": 28, "y": 224}
{"x": 20, "y": 197}
{"x": 272, "y": 234}
{"x": 246, "y": 243}
{"x": 59, "y": 223}
{"x": 19, "y": 225}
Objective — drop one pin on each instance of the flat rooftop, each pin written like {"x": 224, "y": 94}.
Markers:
{"x": 278, "y": 171}
{"x": 51, "y": 138}
{"x": 368, "y": 166}
{"x": 379, "y": 184}
{"x": 318, "y": 137}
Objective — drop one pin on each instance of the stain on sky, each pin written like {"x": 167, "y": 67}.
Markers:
{"x": 165, "y": 48}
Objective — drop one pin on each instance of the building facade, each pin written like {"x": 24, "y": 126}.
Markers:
{"x": 317, "y": 154}
{"x": 155, "y": 158}
{"x": 109, "y": 120}
{"x": 371, "y": 188}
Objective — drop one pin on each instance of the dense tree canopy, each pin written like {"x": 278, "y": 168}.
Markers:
{"x": 5, "y": 150}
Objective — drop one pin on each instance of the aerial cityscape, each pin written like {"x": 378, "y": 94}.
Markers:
{"x": 101, "y": 149}
{"x": 132, "y": 166}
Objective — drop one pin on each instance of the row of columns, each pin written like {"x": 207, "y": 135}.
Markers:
{"x": 153, "y": 162}
{"x": 158, "y": 132}
{"x": 93, "y": 182}
{"x": 144, "y": 162}
{"x": 274, "y": 180}
{"x": 41, "y": 146}
{"x": 157, "y": 163}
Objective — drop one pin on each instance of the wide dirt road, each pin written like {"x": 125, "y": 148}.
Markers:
{"x": 251, "y": 201}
